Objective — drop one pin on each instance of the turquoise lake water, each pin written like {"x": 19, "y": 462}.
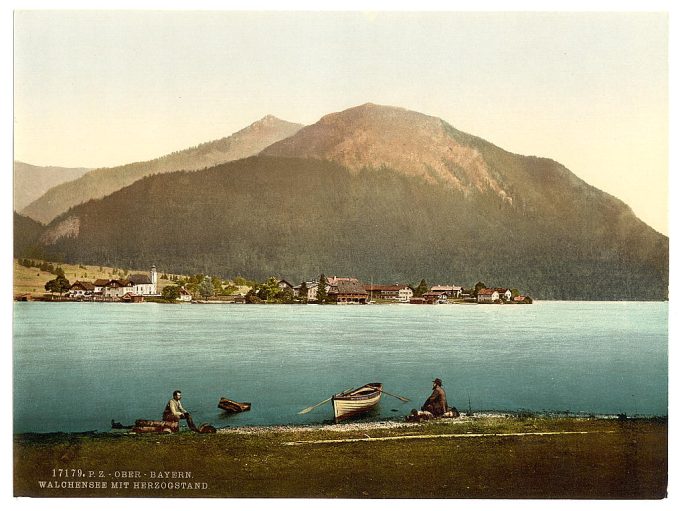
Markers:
{"x": 79, "y": 365}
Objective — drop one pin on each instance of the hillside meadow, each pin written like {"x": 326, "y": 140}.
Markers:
{"x": 31, "y": 281}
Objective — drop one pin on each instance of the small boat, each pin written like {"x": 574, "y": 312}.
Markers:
{"x": 232, "y": 406}
{"x": 354, "y": 402}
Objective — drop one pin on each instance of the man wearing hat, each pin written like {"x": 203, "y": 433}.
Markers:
{"x": 436, "y": 403}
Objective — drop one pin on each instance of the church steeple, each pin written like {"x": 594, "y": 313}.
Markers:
{"x": 154, "y": 279}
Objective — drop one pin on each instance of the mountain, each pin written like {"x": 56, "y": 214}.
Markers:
{"x": 367, "y": 193}
{"x": 411, "y": 143}
{"x": 31, "y": 181}
{"x": 99, "y": 183}
{"x": 26, "y": 235}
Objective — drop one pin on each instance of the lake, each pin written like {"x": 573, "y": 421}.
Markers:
{"x": 79, "y": 365}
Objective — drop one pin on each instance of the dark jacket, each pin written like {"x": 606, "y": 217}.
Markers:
{"x": 436, "y": 403}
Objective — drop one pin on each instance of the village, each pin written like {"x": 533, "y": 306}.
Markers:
{"x": 202, "y": 289}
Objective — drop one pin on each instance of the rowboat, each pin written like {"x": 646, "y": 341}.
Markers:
{"x": 233, "y": 406}
{"x": 354, "y": 402}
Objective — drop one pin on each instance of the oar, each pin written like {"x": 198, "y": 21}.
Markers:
{"x": 404, "y": 399}
{"x": 310, "y": 408}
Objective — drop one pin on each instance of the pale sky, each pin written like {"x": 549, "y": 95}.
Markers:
{"x": 590, "y": 90}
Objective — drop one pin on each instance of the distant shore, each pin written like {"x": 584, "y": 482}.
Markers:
{"x": 481, "y": 456}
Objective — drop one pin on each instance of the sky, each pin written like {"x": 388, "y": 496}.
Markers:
{"x": 588, "y": 89}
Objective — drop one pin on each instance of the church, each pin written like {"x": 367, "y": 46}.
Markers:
{"x": 138, "y": 284}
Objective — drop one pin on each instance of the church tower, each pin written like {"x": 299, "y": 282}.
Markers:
{"x": 154, "y": 280}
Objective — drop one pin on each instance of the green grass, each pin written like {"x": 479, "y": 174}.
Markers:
{"x": 629, "y": 460}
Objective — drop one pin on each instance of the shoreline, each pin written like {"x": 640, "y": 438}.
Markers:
{"x": 372, "y": 424}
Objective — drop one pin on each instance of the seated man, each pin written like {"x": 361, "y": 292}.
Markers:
{"x": 436, "y": 403}
{"x": 174, "y": 411}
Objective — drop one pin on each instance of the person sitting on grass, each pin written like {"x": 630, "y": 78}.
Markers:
{"x": 436, "y": 403}
{"x": 174, "y": 411}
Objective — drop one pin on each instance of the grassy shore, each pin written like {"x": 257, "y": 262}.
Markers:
{"x": 469, "y": 457}
{"x": 31, "y": 281}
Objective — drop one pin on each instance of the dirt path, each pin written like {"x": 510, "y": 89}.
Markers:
{"x": 446, "y": 435}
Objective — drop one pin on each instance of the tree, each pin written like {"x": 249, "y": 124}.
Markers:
{"x": 268, "y": 290}
{"x": 285, "y": 296}
{"x": 217, "y": 285}
{"x": 230, "y": 290}
{"x": 302, "y": 295}
{"x": 478, "y": 286}
{"x": 251, "y": 296}
{"x": 58, "y": 285}
{"x": 170, "y": 293}
{"x": 421, "y": 289}
{"x": 205, "y": 288}
{"x": 59, "y": 271}
{"x": 322, "y": 292}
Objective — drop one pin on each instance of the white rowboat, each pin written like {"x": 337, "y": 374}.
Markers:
{"x": 354, "y": 402}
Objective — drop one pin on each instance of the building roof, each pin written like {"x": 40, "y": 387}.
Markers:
{"x": 310, "y": 284}
{"x": 347, "y": 286}
{"x": 331, "y": 281}
{"x": 139, "y": 278}
{"x": 486, "y": 292}
{"x": 119, "y": 282}
{"x": 87, "y": 286}
{"x": 434, "y": 293}
{"x": 101, "y": 282}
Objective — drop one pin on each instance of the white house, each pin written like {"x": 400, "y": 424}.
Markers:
{"x": 485, "y": 295}
{"x": 184, "y": 295}
{"x": 451, "y": 291}
{"x": 116, "y": 288}
{"x": 312, "y": 288}
{"x": 99, "y": 286}
{"x": 405, "y": 294}
{"x": 436, "y": 297}
{"x": 80, "y": 289}
{"x": 138, "y": 284}
{"x": 504, "y": 293}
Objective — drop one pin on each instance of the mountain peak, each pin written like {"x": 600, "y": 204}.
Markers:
{"x": 405, "y": 141}
{"x": 270, "y": 123}
{"x": 100, "y": 182}
{"x": 269, "y": 119}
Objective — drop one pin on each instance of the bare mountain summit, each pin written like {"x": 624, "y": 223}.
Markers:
{"x": 101, "y": 182}
{"x": 409, "y": 142}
